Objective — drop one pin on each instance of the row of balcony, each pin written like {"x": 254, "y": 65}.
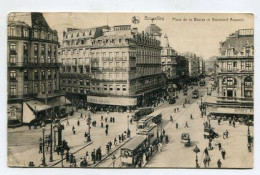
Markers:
{"x": 236, "y": 70}
{"x": 29, "y": 64}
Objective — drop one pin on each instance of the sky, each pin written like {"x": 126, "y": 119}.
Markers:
{"x": 185, "y": 34}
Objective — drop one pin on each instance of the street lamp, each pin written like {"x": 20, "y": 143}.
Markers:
{"x": 128, "y": 126}
{"x": 62, "y": 153}
{"x": 51, "y": 157}
{"x": 43, "y": 145}
{"x": 89, "y": 121}
{"x": 248, "y": 131}
{"x": 196, "y": 150}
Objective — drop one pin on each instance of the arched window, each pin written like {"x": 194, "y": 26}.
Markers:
{"x": 229, "y": 81}
{"x": 248, "y": 81}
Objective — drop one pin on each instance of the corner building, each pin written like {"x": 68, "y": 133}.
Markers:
{"x": 126, "y": 69}
{"x": 236, "y": 74}
{"x": 33, "y": 68}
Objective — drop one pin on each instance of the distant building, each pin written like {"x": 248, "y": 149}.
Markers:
{"x": 194, "y": 66}
{"x": 168, "y": 59}
{"x": 33, "y": 68}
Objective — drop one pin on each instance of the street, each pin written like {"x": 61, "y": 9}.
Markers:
{"x": 24, "y": 143}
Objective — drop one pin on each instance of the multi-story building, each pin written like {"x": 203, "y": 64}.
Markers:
{"x": 111, "y": 68}
{"x": 126, "y": 69}
{"x": 33, "y": 68}
{"x": 75, "y": 56}
{"x": 194, "y": 66}
{"x": 202, "y": 70}
{"x": 236, "y": 73}
{"x": 168, "y": 59}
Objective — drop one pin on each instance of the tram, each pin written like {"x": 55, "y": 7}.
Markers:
{"x": 131, "y": 153}
{"x": 142, "y": 112}
{"x": 151, "y": 132}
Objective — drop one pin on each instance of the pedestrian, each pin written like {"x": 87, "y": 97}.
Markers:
{"x": 219, "y": 163}
{"x": 208, "y": 160}
{"x": 67, "y": 156}
{"x": 94, "y": 156}
{"x": 230, "y": 122}
{"x": 106, "y": 131}
{"x": 78, "y": 123}
{"x": 115, "y": 141}
{"x": 234, "y": 123}
{"x": 219, "y": 146}
{"x": 101, "y": 117}
{"x": 40, "y": 148}
{"x": 113, "y": 119}
{"x": 107, "y": 148}
{"x": 206, "y": 151}
{"x": 73, "y": 130}
{"x": 119, "y": 138}
{"x": 218, "y": 121}
{"x": 210, "y": 146}
{"x": 226, "y": 133}
{"x": 176, "y": 125}
{"x": 107, "y": 126}
{"x": 106, "y": 119}
{"x": 131, "y": 121}
{"x": 164, "y": 132}
{"x": 81, "y": 115}
{"x": 191, "y": 116}
{"x": 110, "y": 120}
{"x": 223, "y": 153}
{"x": 102, "y": 124}
{"x": 205, "y": 162}
{"x": 186, "y": 125}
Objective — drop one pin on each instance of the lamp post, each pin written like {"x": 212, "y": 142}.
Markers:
{"x": 51, "y": 157}
{"x": 43, "y": 145}
{"x": 89, "y": 121}
{"x": 248, "y": 130}
{"x": 196, "y": 150}
{"x": 62, "y": 153}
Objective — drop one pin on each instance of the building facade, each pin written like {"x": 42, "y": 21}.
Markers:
{"x": 33, "y": 68}
{"x": 194, "y": 66}
{"x": 236, "y": 72}
{"x": 122, "y": 66}
{"x": 75, "y": 56}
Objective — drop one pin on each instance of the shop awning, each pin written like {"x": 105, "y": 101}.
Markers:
{"x": 234, "y": 111}
{"x": 37, "y": 105}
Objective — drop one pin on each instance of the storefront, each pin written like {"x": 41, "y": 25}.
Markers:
{"x": 111, "y": 103}
{"x": 232, "y": 112}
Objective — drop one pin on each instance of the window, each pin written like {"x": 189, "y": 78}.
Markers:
{"x": 49, "y": 87}
{"x": 54, "y": 73}
{"x": 35, "y": 33}
{"x": 81, "y": 90}
{"x": 118, "y": 87}
{"x": 97, "y": 86}
{"x": 248, "y": 93}
{"x": 229, "y": 65}
{"x": 49, "y": 74}
{"x": 36, "y": 74}
{"x": 81, "y": 82}
{"x": 35, "y": 48}
{"x": 231, "y": 81}
{"x": 117, "y": 54}
{"x": 105, "y": 87}
{"x": 36, "y": 88}
{"x": 43, "y": 88}
{"x": 43, "y": 49}
{"x": 124, "y": 76}
{"x": 13, "y": 47}
{"x": 110, "y": 76}
{"x": 235, "y": 64}
{"x": 93, "y": 87}
{"x": 248, "y": 65}
{"x": 49, "y": 59}
{"x": 25, "y": 75}
{"x": 43, "y": 59}
{"x": 25, "y": 89}
{"x": 12, "y": 59}
{"x": 12, "y": 31}
{"x": 75, "y": 90}
{"x": 242, "y": 65}
{"x": 13, "y": 90}
{"x": 117, "y": 76}
{"x": 54, "y": 85}
{"x": 248, "y": 82}
{"x": 25, "y": 48}
{"x": 123, "y": 64}
{"x": 43, "y": 74}
{"x": 13, "y": 75}
{"x": 111, "y": 87}
{"x": 117, "y": 64}
{"x": 124, "y": 87}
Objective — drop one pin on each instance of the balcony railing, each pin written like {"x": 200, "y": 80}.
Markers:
{"x": 28, "y": 64}
{"x": 121, "y": 58}
{"x": 107, "y": 58}
{"x": 236, "y": 99}
{"x": 235, "y": 70}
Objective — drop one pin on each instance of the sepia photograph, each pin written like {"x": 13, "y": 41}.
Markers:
{"x": 130, "y": 90}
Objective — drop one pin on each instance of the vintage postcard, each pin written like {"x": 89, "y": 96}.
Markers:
{"x": 130, "y": 90}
